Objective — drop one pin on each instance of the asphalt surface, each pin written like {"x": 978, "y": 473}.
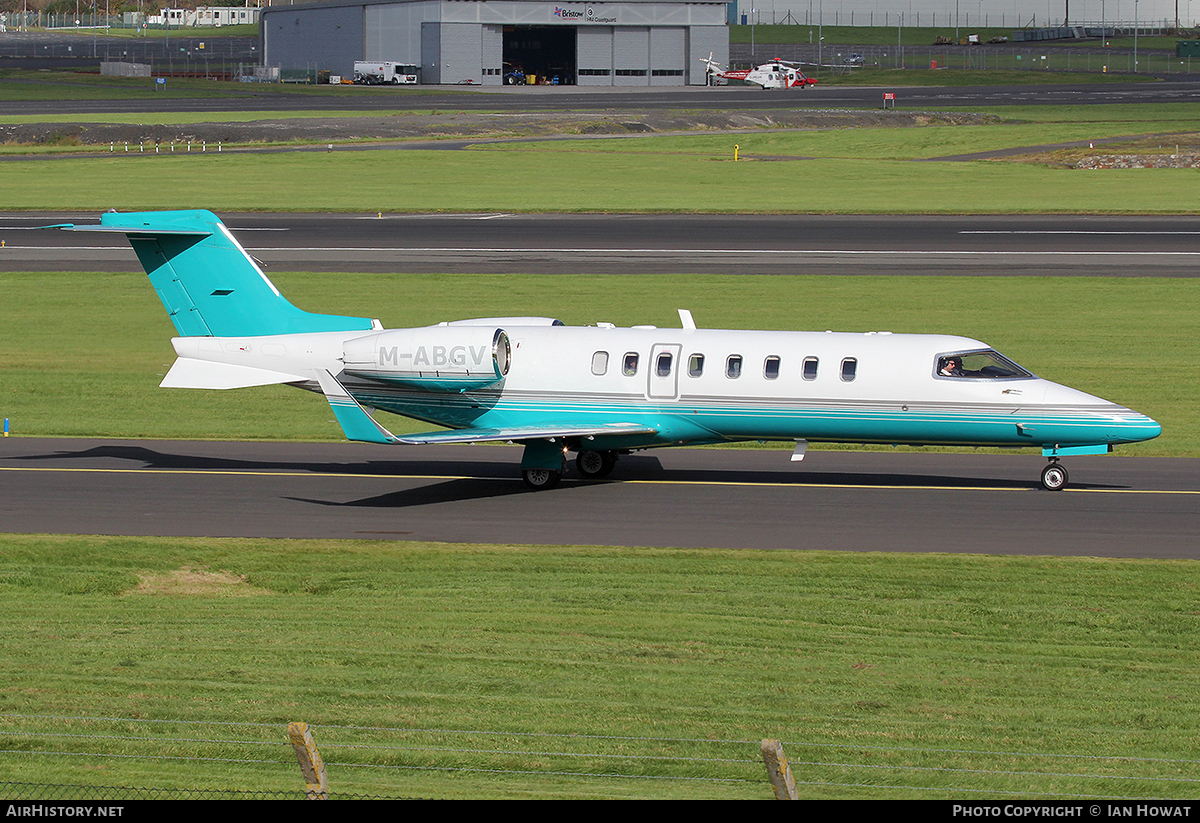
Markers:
{"x": 992, "y": 245}
{"x": 246, "y": 97}
{"x": 694, "y": 498}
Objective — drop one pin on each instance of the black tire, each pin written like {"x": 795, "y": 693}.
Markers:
{"x": 595, "y": 464}
{"x": 540, "y": 479}
{"x": 1054, "y": 477}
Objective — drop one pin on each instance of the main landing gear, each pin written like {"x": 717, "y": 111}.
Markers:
{"x": 595, "y": 464}
{"x": 541, "y": 479}
{"x": 1054, "y": 476}
{"x": 591, "y": 465}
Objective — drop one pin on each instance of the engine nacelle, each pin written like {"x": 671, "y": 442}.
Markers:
{"x": 434, "y": 358}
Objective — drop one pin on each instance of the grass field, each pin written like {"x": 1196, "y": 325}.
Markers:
{"x": 848, "y": 171}
{"x": 509, "y": 671}
{"x": 58, "y": 379}
{"x": 605, "y": 177}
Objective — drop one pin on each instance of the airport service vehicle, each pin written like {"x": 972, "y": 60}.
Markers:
{"x": 600, "y": 391}
{"x": 778, "y": 74}
{"x": 379, "y": 73}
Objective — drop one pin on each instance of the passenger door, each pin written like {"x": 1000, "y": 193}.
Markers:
{"x": 663, "y": 373}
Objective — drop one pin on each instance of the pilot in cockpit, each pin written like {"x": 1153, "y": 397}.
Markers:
{"x": 950, "y": 367}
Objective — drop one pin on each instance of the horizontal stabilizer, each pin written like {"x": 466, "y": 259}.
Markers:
{"x": 203, "y": 374}
{"x": 543, "y": 432}
{"x": 147, "y": 229}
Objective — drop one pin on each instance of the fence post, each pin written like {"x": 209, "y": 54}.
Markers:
{"x": 316, "y": 785}
{"x": 779, "y": 771}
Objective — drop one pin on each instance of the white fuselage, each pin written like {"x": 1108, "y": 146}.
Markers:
{"x": 698, "y": 385}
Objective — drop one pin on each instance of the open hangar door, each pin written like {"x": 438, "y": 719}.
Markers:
{"x": 541, "y": 52}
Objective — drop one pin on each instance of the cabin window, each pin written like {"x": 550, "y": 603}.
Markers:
{"x": 629, "y": 364}
{"x": 809, "y": 370}
{"x": 849, "y": 369}
{"x": 662, "y": 366}
{"x": 695, "y": 365}
{"x": 771, "y": 368}
{"x": 979, "y": 365}
{"x": 600, "y": 362}
{"x": 733, "y": 367}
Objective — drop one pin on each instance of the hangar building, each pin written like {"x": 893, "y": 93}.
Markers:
{"x": 622, "y": 43}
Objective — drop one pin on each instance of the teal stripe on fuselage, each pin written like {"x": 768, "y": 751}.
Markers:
{"x": 829, "y": 420}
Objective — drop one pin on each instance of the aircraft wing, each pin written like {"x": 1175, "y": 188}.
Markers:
{"x": 358, "y": 425}
{"x": 547, "y": 431}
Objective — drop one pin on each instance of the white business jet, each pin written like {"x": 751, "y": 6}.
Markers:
{"x": 601, "y": 391}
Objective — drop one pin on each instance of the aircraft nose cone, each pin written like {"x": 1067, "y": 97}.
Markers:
{"x": 1140, "y": 428}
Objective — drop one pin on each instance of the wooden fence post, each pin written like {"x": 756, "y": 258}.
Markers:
{"x": 316, "y": 785}
{"x": 779, "y": 771}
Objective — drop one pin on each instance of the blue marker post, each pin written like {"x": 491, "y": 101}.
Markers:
{"x": 6, "y": 427}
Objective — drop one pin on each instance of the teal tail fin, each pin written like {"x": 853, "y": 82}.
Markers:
{"x": 207, "y": 282}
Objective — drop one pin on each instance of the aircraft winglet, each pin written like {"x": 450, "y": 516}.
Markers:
{"x": 353, "y": 418}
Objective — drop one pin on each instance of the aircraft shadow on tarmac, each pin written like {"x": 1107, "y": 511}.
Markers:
{"x": 475, "y": 479}
{"x": 465, "y": 489}
{"x": 152, "y": 459}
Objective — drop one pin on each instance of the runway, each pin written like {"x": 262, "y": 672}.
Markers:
{"x": 992, "y": 245}
{"x": 689, "y": 498}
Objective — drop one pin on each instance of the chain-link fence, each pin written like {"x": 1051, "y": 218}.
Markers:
{"x": 819, "y": 59}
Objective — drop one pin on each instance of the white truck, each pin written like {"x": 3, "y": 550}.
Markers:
{"x": 384, "y": 72}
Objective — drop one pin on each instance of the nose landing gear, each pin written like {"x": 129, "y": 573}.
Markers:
{"x": 1054, "y": 476}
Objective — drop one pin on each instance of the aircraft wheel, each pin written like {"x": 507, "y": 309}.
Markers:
{"x": 540, "y": 479}
{"x": 595, "y": 464}
{"x": 1054, "y": 477}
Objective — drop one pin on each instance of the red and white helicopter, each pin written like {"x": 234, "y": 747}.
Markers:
{"x": 778, "y": 74}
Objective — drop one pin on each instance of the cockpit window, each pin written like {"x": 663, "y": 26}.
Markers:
{"x": 978, "y": 365}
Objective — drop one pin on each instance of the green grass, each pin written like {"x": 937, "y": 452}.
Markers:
{"x": 602, "y": 179}
{"x": 856, "y": 171}
{"x": 963, "y": 675}
{"x": 82, "y": 354}
{"x": 858, "y": 143}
